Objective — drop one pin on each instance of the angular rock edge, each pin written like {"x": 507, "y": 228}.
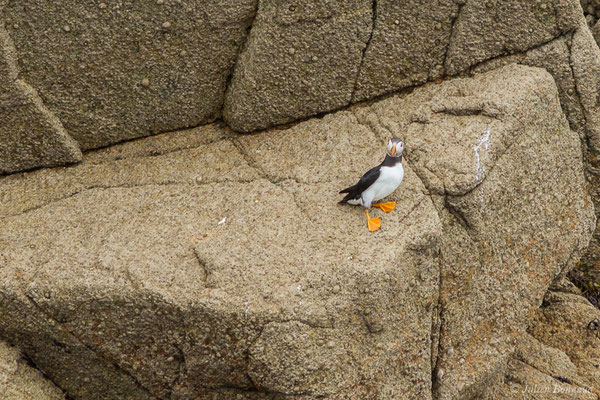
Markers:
{"x": 19, "y": 381}
{"x": 30, "y": 135}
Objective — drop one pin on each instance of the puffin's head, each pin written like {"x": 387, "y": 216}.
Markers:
{"x": 395, "y": 147}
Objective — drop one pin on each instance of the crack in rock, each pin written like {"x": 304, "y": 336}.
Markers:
{"x": 108, "y": 187}
{"x": 254, "y": 164}
{"x": 29, "y": 361}
{"x": 151, "y": 154}
{"x": 473, "y": 68}
{"x": 364, "y": 50}
{"x": 203, "y": 264}
{"x": 461, "y": 4}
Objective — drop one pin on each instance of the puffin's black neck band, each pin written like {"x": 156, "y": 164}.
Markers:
{"x": 390, "y": 161}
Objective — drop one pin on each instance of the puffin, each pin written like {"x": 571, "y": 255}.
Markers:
{"x": 377, "y": 183}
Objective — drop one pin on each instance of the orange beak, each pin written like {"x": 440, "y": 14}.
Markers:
{"x": 393, "y": 151}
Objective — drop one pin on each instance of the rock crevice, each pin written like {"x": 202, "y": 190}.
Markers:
{"x": 364, "y": 51}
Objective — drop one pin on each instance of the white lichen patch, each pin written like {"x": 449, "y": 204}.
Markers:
{"x": 484, "y": 142}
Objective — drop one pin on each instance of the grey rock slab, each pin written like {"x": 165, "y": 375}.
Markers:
{"x": 407, "y": 47}
{"x": 340, "y": 304}
{"x": 288, "y": 72}
{"x": 484, "y": 114}
{"x": 561, "y": 236}
{"x": 176, "y": 297}
{"x": 30, "y": 135}
{"x": 301, "y": 59}
{"x": 256, "y": 284}
{"x": 585, "y": 62}
{"x": 497, "y": 119}
{"x": 555, "y": 57}
{"x": 572, "y": 59}
{"x": 112, "y": 72}
{"x": 194, "y": 157}
{"x": 487, "y": 29}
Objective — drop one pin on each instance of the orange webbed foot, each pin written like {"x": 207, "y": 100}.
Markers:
{"x": 373, "y": 223}
{"x": 386, "y": 207}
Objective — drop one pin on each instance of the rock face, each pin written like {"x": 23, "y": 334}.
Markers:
{"x": 585, "y": 59}
{"x": 121, "y": 280}
{"x": 30, "y": 135}
{"x": 18, "y": 381}
{"x": 204, "y": 264}
{"x": 408, "y": 46}
{"x": 573, "y": 59}
{"x": 115, "y": 71}
{"x": 288, "y": 69}
{"x": 476, "y": 333}
{"x": 300, "y": 59}
{"x": 293, "y": 67}
{"x": 565, "y": 322}
{"x": 537, "y": 371}
{"x": 488, "y": 29}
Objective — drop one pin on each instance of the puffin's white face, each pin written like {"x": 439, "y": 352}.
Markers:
{"x": 395, "y": 147}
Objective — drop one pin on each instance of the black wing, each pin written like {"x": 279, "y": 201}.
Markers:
{"x": 367, "y": 180}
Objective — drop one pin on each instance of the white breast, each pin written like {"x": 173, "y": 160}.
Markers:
{"x": 389, "y": 179}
